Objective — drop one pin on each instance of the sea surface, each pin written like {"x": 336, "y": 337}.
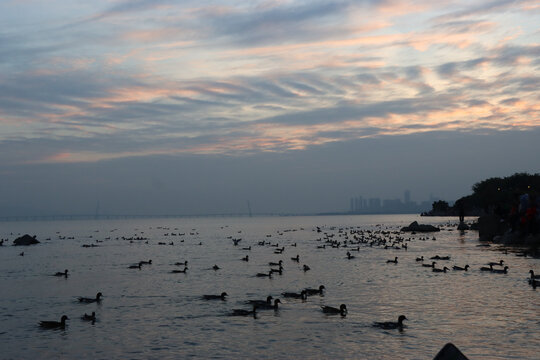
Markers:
{"x": 152, "y": 313}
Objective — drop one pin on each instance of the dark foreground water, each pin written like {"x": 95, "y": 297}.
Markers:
{"x": 154, "y": 314}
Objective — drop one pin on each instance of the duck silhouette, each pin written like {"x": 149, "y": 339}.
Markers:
{"x": 332, "y": 310}
{"x": 54, "y": 324}
{"x": 440, "y": 270}
{"x": 244, "y": 312}
{"x": 215, "y": 297}
{"x": 302, "y": 295}
{"x": 91, "y": 317}
{"x": 500, "y": 271}
{"x": 393, "y": 261}
{"x": 268, "y": 301}
{"x": 310, "y": 291}
{"x": 65, "y": 273}
{"x": 269, "y": 306}
{"x": 389, "y": 325}
{"x": 90, "y": 300}
{"x": 459, "y": 268}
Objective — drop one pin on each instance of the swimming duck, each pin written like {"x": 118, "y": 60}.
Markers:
{"x": 455, "y": 267}
{"x": 389, "y": 325}
{"x": 437, "y": 257}
{"x": 65, "y": 273}
{"x": 89, "y": 317}
{"x": 279, "y": 271}
{"x": 533, "y": 276}
{"x": 135, "y": 266}
{"x": 392, "y": 261}
{"x": 181, "y": 263}
{"x": 215, "y": 297}
{"x": 432, "y": 265}
{"x": 500, "y": 263}
{"x": 269, "y": 306}
{"x": 332, "y": 310}
{"x": 421, "y": 258}
{"x": 440, "y": 270}
{"x": 215, "y": 267}
{"x": 302, "y": 295}
{"x": 500, "y": 271}
{"x": 349, "y": 256}
{"x": 245, "y": 258}
{"x": 306, "y": 268}
{"x": 490, "y": 268}
{"x": 269, "y": 275}
{"x": 179, "y": 271}
{"x": 268, "y": 301}
{"x": 297, "y": 258}
{"x": 54, "y": 324}
{"x": 145, "y": 262}
{"x": 90, "y": 300}
{"x": 279, "y": 263}
{"x": 244, "y": 312}
{"x": 314, "y": 291}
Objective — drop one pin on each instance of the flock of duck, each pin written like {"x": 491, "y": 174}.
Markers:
{"x": 349, "y": 239}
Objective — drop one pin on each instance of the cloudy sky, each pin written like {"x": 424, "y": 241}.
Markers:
{"x": 190, "y": 107}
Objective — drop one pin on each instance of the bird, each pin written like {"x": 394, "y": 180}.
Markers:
{"x": 490, "y": 268}
{"x": 269, "y": 306}
{"x": 437, "y": 257}
{"x": 65, "y": 273}
{"x": 279, "y": 263}
{"x": 500, "y": 271}
{"x": 181, "y": 263}
{"x": 455, "y": 267}
{"x": 432, "y": 265}
{"x": 533, "y": 276}
{"x": 421, "y": 258}
{"x": 135, "y": 266}
{"x": 145, "y": 262}
{"x": 90, "y": 300}
{"x": 269, "y": 274}
{"x": 389, "y": 325}
{"x": 440, "y": 270}
{"x": 54, "y": 324}
{"x": 297, "y": 258}
{"x": 310, "y": 291}
{"x": 215, "y": 267}
{"x": 216, "y": 297}
{"x": 245, "y": 258}
{"x": 268, "y": 301}
{"x": 179, "y": 271}
{"x": 499, "y": 263}
{"x": 89, "y": 317}
{"x": 332, "y": 310}
{"x": 302, "y": 295}
{"x": 392, "y": 261}
{"x": 349, "y": 256}
{"x": 306, "y": 268}
{"x": 244, "y": 312}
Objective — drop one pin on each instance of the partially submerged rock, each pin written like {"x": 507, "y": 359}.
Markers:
{"x": 25, "y": 240}
{"x": 416, "y": 227}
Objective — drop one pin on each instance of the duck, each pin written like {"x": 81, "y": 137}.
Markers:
{"x": 54, "y": 324}
{"x": 349, "y": 256}
{"x": 492, "y": 263}
{"x": 279, "y": 271}
{"x": 179, "y": 271}
{"x": 269, "y": 274}
{"x": 389, "y": 325}
{"x": 332, "y": 310}
{"x": 90, "y": 300}
{"x": 65, "y": 273}
{"x": 135, "y": 266}
{"x": 279, "y": 263}
{"x": 306, "y": 268}
{"x": 149, "y": 262}
{"x": 215, "y": 267}
{"x": 302, "y": 295}
{"x": 269, "y": 306}
{"x": 440, "y": 270}
{"x": 268, "y": 301}
{"x": 319, "y": 291}
{"x": 432, "y": 265}
{"x": 216, "y": 297}
{"x": 245, "y": 258}
{"x": 490, "y": 268}
{"x": 181, "y": 263}
{"x": 244, "y": 312}
{"x": 421, "y": 258}
{"x": 455, "y": 267}
{"x": 500, "y": 271}
{"x": 296, "y": 258}
{"x": 437, "y": 257}
{"x": 533, "y": 276}
{"x": 392, "y": 261}
{"x": 89, "y": 317}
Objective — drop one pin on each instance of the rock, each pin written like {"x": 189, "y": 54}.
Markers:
{"x": 25, "y": 240}
{"x": 416, "y": 227}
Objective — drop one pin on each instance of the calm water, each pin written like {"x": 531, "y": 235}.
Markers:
{"x": 154, "y": 314}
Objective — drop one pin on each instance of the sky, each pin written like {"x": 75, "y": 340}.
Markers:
{"x": 197, "y": 107}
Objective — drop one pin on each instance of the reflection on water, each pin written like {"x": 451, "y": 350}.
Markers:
{"x": 153, "y": 313}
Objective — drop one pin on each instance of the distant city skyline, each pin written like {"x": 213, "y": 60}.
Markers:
{"x": 376, "y": 205}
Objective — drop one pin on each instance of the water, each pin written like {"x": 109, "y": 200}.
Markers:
{"x": 154, "y": 314}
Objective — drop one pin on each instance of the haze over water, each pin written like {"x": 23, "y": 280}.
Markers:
{"x": 152, "y": 313}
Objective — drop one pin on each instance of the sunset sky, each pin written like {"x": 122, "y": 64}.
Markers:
{"x": 189, "y": 107}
